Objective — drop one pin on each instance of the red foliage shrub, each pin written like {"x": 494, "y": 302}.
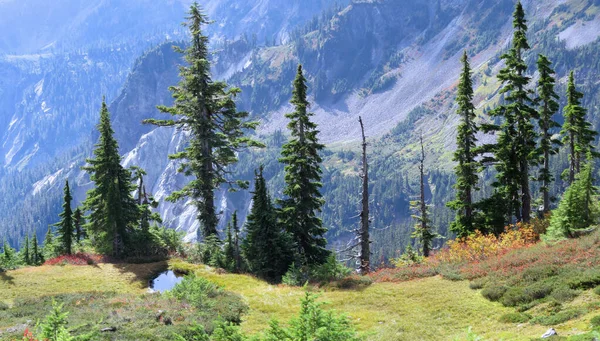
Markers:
{"x": 464, "y": 257}
{"x": 76, "y": 259}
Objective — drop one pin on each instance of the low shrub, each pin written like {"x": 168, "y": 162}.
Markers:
{"x": 230, "y": 307}
{"x": 331, "y": 270}
{"x": 558, "y": 318}
{"x": 76, "y": 259}
{"x": 564, "y": 294}
{"x": 295, "y": 276}
{"x": 353, "y": 282}
{"x": 195, "y": 290}
{"x": 3, "y": 306}
{"x": 597, "y": 290}
{"x": 514, "y": 297}
{"x": 595, "y": 321}
{"x": 478, "y": 283}
{"x": 494, "y": 293}
{"x": 515, "y": 318}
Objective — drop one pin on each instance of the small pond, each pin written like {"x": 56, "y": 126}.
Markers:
{"x": 165, "y": 281}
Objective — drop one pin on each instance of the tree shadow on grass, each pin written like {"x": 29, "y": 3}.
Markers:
{"x": 143, "y": 273}
{"x": 5, "y": 277}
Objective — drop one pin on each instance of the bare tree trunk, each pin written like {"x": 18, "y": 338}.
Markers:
{"x": 423, "y": 205}
{"x": 365, "y": 247}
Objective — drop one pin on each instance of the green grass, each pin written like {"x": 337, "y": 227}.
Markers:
{"x": 425, "y": 309}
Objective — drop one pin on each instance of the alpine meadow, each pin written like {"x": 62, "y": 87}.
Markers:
{"x": 316, "y": 170}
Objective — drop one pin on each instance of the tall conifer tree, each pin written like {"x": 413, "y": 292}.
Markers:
{"x": 578, "y": 208}
{"x": 267, "y": 247}
{"x": 514, "y": 150}
{"x": 548, "y": 106}
{"x": 26, "y": 251}
{"x": 78, "y": 222}
{"x": 466, "y": 168}
{"x": 36, "y": 256}
{"x": 65, "y": 225}
{"x": 114, "y": 212}
{"x": 302, "y": 177}
{"x": 576, "y": 130}
{"x": 206, "y": 109}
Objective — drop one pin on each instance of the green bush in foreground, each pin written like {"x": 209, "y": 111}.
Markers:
{"x": 312, "y": 323}
{"x": 515, "y": 318}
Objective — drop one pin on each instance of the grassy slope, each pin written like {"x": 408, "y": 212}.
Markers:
{"x": 426, "y": 309}
{"x": 52, "y": 280}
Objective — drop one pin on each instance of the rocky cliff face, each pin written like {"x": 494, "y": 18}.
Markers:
{"x": 393, "y": 63}
{"x": 57, "y": 60}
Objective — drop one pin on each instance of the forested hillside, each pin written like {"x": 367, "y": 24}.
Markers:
{"x": 429, "y": 166}
{"x": 391, "y": 63}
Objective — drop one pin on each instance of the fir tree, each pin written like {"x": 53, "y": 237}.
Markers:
{"x": 26, "y": 251}
{"x": 230, "y": 250}
{"x": 578, "y": 207}
{"x": 576, "y": 130}
{"x": 78, "y": 222}
{"x": 515, "y": 148}
{"x": 207, "y": 110}
{"x": 548, "y": 106}
{"x": 36, "y": 256}
{"x": 302, "y": 177}
{"x": 65, "y": 226}
{"x": 466, "y": 168}
{"x": 113, "y": 210}
{"x": 267, "y": 247}
{"x": 8, "y": 254}
{"x": 54, "y": 327}
{"x": 49, "y": 248}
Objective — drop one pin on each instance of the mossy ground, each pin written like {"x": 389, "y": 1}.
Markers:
{"x": 424, "y": 309}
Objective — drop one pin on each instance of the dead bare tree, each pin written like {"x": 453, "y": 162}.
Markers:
{"x": 365, "y": 247}
{"x": 422, "y": 229}
{"x": 360, "y": 246}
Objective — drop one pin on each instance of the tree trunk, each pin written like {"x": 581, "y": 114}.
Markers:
{"x": 207, "y": 212}
{"x": 365, "y": 251}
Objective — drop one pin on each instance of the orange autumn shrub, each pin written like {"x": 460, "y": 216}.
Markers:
{"x": 459, "y": 255}
{"x": 479, "y": 246}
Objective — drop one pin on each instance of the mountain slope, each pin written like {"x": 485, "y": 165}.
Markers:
{"x": 395, "y": 64}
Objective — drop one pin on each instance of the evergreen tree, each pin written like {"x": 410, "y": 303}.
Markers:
{"x": 8, "y": 255}
{"x": 207, "y": 110}
{"x": 36, "y": 256}
{"x": 229, "y": 251}
{"x": 578, "y": 207}
{"x": 267, "y": 247}
{"x": 548, "y": 106}
{"x": 49, "y": 249}
{"x": 26, "y": 252}
{"x": 515, "y": 148}
{"x": 65, "y": 226}
{"x": 78, "y": 222}
{"x": 302, "y": 177}
{"x": 466, "y": 168}
{"x": 113, "y": 210}
{"x": 576, "y": 130}
{"x": 54, "y": 327}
